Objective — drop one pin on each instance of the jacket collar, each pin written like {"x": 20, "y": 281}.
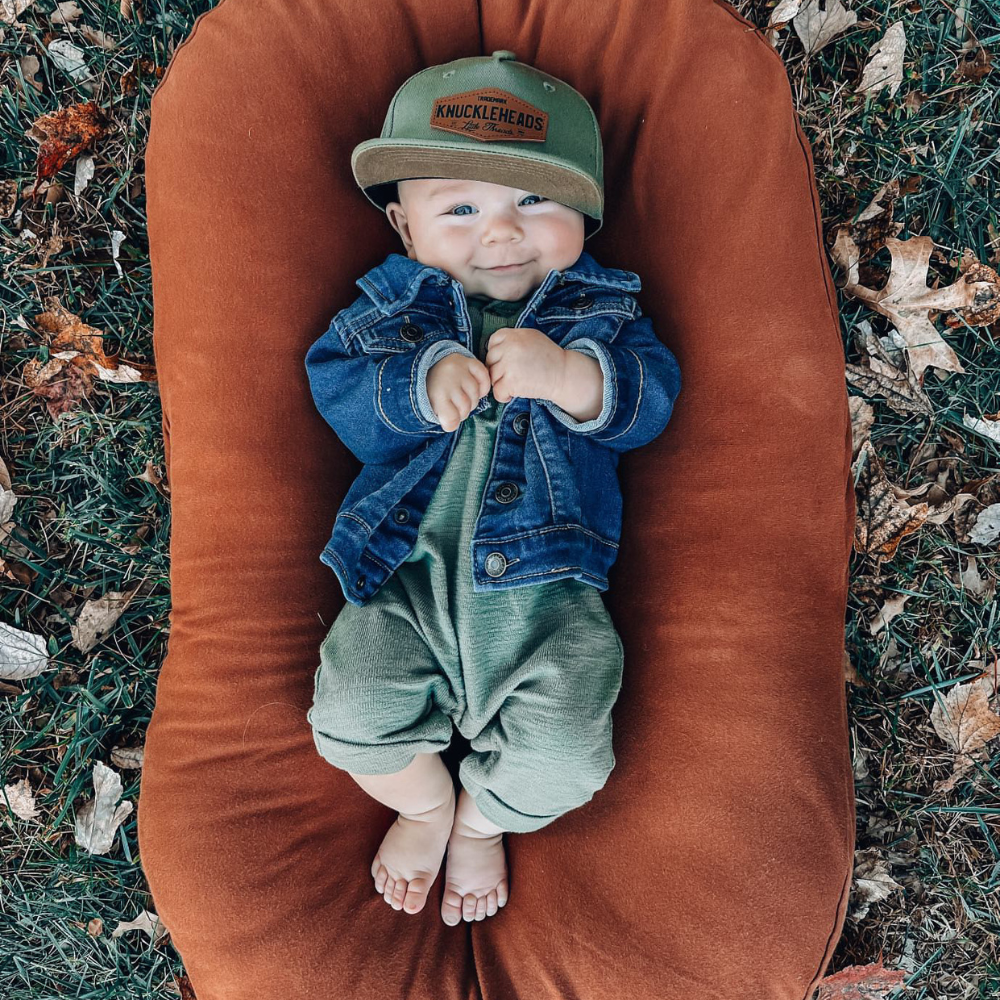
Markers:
{"x": 396, "y": 282}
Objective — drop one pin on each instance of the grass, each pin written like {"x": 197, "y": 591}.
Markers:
{"x": 91, "y": 517}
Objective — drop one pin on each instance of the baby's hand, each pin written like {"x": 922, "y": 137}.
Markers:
{"x": 522, "y": 361}
{"x": 455, "y": 384}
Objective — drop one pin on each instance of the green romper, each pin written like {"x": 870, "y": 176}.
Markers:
{"x": 528, "y": 675}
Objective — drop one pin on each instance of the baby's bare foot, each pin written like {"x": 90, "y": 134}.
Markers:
{"x": 409, "y": 858}
{"x": 475, "y": 881}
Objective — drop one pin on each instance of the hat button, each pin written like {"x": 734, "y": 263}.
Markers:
{"x": 499, "y": 54}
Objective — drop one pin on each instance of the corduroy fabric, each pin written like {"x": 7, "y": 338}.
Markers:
{"x": 718, "y": 859}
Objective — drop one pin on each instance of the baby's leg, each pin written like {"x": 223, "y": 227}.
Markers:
{"x": 477, "y": 884}
{"x": 409, "y": 859}
{"x": 382, "y": 711}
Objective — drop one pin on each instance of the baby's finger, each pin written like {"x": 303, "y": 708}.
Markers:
{"x": 473, "y": 385}
{"x": 448, "y": 415}
{"x": 482, "y": 374}
{"x": 499, "y": 392}
{"x": 460, "y": 400}
{"x": 466, "y": 394}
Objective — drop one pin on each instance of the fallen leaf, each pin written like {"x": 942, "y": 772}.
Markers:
{"x": 884, "y": 67}
{"x": 71, "y": 60}
{"x": 963, "y": 718}
{"x": 97, "y": 618}
{"x": 98, "y": 819}
{"x": 63, "y": 134}
{"x": 906, "y": 299}
{"x": 147, "y": 922}
{"x": 22, "y": 654}
{"x": 882, "y": 519}
{"x": 872, "y": 881}
{"x": 11, "y": 10}
{"x": 128, "y": 757}
{"x": 892, "y": 607}
{"x": 818, "y": 23}
{"x": 986, "y": 530}
{"x": 22, "y": 799}
{"x": 860, "y": 982}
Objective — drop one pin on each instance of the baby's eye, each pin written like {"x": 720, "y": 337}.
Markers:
{"x": 538, "y": 196}
{"x": 457, "y": 207}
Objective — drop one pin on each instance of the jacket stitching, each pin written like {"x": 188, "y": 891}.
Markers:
{"x": 635, "y": 415}
{"x": 354, "y": 517}
{"x": 550, "y": 572}
{"x": 545, "y": 469}
{"x": 378, "y": 401}
{"x": 532, "y": 532}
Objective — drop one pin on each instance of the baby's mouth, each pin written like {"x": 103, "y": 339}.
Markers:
{"x": 508, "y": 267}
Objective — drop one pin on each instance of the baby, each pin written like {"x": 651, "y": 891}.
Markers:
{"x": 487, "y": 381}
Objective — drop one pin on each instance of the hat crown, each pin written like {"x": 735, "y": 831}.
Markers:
{"x": 489, "y": 118}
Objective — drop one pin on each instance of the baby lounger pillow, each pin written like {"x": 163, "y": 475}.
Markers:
{"x": 717, "y": 860}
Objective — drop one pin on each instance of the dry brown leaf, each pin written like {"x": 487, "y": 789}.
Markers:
{"x": 22, "y": 654}
{"x": 882, "y": 519}
{"x": 872, "y": 881}
{"x": 860, "y": 982}
{"x": 862, "y": 418}
{"x": 30, "y": 68}
{"x": 974, "y": 61}
{"x": 66, "y": 12}
{"x": 901, "y": 390}
{"x": 128, "y": 757}
{"x": 63, "y": 134}
{"x": 22, "y": 799}
{"x": 147, "y": 922}
{"x": 11, "y": 10}
{"x": 98, "y": 819}
{"x": 884, "y": 67}
{"x": 892, "y": 607}
{"x": 907, "y": 300}
{"x": 965, "y": 720}
{"x": 76, "y": 357}
{"x": 819, "y": 22}
{"x": 97, "y": 618}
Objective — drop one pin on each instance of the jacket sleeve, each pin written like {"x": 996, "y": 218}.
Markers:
{"x": 377, "y": 404}
{"x": 641, "y": 381}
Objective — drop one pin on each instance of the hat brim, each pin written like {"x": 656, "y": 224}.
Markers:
{"x": 378, "y": 163}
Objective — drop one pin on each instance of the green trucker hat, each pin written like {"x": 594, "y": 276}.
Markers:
{"x": 489, "y": 118}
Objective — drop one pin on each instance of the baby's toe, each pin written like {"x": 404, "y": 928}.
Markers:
{"x": 502, "y": 892}
{"x": 469, "y": 907}
{"x": 398, "y": 894}
{"x": 481, "y": 908}
{"x": 381, "y": 874}
{"x": 451, "y": 907}
{"x": 416, "y": 894}
{"x": 491, "y": 903}
{"x": 390, "y": 884}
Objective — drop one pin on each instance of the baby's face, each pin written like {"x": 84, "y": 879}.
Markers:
{"x": 468, "y": 228}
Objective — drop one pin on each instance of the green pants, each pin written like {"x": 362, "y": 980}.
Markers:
{"x": 528, "y": 675}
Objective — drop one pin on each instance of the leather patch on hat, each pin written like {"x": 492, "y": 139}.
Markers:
{"x": 490, "y": 114}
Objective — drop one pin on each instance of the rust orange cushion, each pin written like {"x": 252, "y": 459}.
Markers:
{"x": 716, "y": 862}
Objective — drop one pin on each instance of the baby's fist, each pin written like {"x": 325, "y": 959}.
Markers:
{"x": 455, "y": 384}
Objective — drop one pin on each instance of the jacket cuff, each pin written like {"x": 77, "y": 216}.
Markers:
{"x": 593, "y": 349}
{"x": 431, "y": 356}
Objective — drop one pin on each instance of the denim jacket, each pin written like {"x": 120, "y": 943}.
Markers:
{"x": 552, "y": 503}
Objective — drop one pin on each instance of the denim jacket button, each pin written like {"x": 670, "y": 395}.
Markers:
{"x": 411, "y": 332}
{"x": 521, "y": 423}
{"x": 360, "y": 582}
{"x": 401, "y": 515}
{"x": 506, "y": 492}
{"x": 582, "y": 301}
{"x": 495, "y": 564}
